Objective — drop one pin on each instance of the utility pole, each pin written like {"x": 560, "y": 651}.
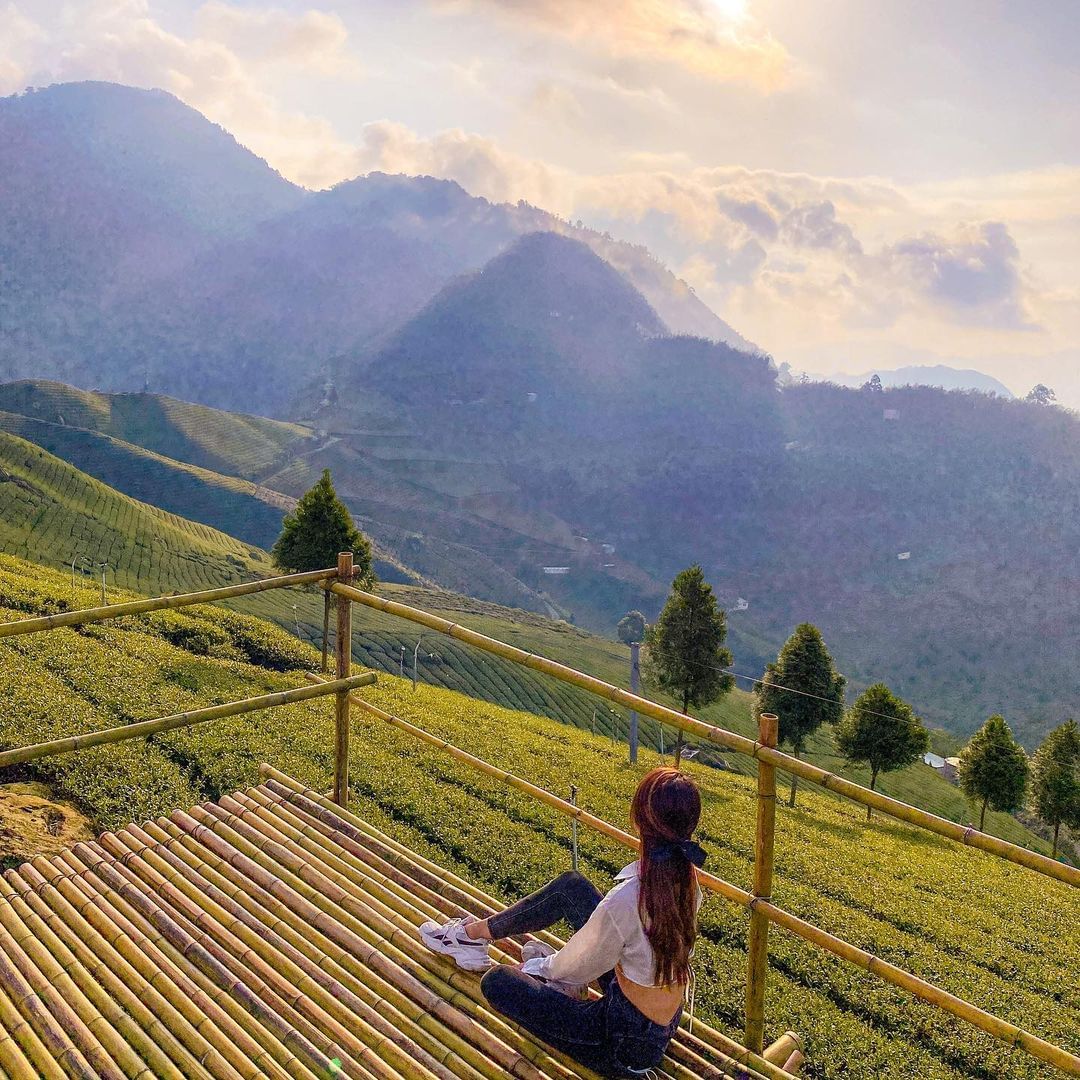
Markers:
{"x": 104, "y": 567}
{"x": 635, "y": 685}
{"x": 401, "y": 663}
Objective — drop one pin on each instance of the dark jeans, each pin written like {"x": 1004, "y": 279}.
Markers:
{"x": 610, "y": 1035}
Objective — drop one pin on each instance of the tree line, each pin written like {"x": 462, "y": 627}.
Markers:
{"x": 685, "y": 656}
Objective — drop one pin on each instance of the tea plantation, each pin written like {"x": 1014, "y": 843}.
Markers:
{"x": 1002, "y": 937}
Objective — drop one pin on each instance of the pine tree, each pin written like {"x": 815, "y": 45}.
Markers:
{"x": 993, "y": 769}
{"x": 804, "y": 666}
{"x": 686, "y": 646}
{"x": 321, "y": 527}
{"x": 1055, "y": 779}
{"x": 882, "y": 731}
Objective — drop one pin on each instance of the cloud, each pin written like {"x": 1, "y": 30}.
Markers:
{"x": 18, "y": 36}
{"x": 717, "y": 42}
{"x": 314, "y": 40}
{"x": 974, "y": 273}
{"x": 480, "y": 165}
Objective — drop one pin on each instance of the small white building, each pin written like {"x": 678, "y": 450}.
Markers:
{"x": 556, "y": 569}
{"x": 891, "y": 414}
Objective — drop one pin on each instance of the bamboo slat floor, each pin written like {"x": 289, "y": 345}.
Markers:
{"x": 270, "y": 934}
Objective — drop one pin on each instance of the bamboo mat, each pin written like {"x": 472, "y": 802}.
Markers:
{"x": 269, "y": 934}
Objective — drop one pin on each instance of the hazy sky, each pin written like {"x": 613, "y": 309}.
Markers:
{"x": 850, "y": 183}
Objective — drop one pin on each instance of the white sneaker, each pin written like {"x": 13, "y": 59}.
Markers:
{"x": 535, "y": 950}
{"x": 450, "y": 939}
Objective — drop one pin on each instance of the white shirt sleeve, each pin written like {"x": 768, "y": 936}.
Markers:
{"x": 593, "y": 951}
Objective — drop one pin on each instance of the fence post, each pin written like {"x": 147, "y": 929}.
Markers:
{"x": 757, "y": 961}
{"x": 326, "y": 633}
{"x": 573, "y": 829}
{"x": 635, "y": 686}
{"x": 343, "y": 649}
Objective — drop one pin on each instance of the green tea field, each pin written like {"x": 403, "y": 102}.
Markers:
{"x": 999, "y": 935}
{"x": 54, "y": 514}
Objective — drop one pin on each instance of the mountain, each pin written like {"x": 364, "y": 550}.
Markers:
{"x": 105, "y": 190}
{"x": 941, "y": 375}
{"x": 142, "y": 246}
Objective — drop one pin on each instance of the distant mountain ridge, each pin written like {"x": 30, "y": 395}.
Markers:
{"x": 948, "y": 378}
{"x": 144, "y": 246}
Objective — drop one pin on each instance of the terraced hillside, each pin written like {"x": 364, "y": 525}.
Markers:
{"x": 223, "y": 442}
{"x": 55, "y": 514}
{"x": 992, "y": 932}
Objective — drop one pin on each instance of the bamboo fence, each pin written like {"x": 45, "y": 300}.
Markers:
{"x": 158, "y": 603}
{"x": 181, "y": 720}
{"x": 727, "y": 739}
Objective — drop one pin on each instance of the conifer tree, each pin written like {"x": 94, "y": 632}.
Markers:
{"x": 882, "y": 731}
{"x": 312, "y": 537}
{"x": 804, "y": 666}
{"x": 993, "y": 769}
{"x": 686, "y": 646}
{"x": 321, "y": 527}
{"x": 1055, "y": 779}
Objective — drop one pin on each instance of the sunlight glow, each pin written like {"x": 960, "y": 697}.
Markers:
{"x": 734, "y": 11}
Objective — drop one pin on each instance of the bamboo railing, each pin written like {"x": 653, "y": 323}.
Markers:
{"x": 144, "y": 728}
{"x": 158, "y": 603}
{"x": 727, "y": 739}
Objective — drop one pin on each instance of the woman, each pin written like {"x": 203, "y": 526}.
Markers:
{"x": 635, "y": 943}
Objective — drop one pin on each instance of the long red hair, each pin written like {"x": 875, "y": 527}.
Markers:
{"x": 667, "y": 808}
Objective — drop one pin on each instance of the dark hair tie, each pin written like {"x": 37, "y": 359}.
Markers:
{"x": 688, "y": 849}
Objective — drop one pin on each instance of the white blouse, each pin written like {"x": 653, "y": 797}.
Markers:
{"x": 613, "y": 935}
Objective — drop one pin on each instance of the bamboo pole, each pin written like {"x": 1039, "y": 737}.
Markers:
{"x": 728, "y": 739}
{"x": 140, "y": 1027}
{"x": 272, "y": 1045}
{"x": 265, "y": 981}
{"x": 779, "y": 1051}
{"x": 921, "y": 988}
{"x": 757, "y": 953}
{"x": 158, "y": 603}
{"x": 180, "y": 720}
{"x": 110, "y": 915}
{"x": 356, "y": 946}
{"x": 343, "y": 651}
{"x": 300, "y": 879}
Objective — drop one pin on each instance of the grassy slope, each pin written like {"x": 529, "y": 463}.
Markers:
{"x": 996, "y": 934}
{"x": 224, "y": 442}
{"x": 63, "y": 514}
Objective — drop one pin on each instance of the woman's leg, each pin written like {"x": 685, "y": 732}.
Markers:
{"x": 571, "y": 896}
{"x": 577, "y": 1028}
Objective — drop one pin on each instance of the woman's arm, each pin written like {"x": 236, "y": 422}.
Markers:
{"x": 593, "y": 951}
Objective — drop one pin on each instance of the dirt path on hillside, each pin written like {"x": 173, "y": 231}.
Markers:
{"x": 34, "y": 821}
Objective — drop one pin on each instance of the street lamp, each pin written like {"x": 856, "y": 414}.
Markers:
{"x": 103, "y": 566}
